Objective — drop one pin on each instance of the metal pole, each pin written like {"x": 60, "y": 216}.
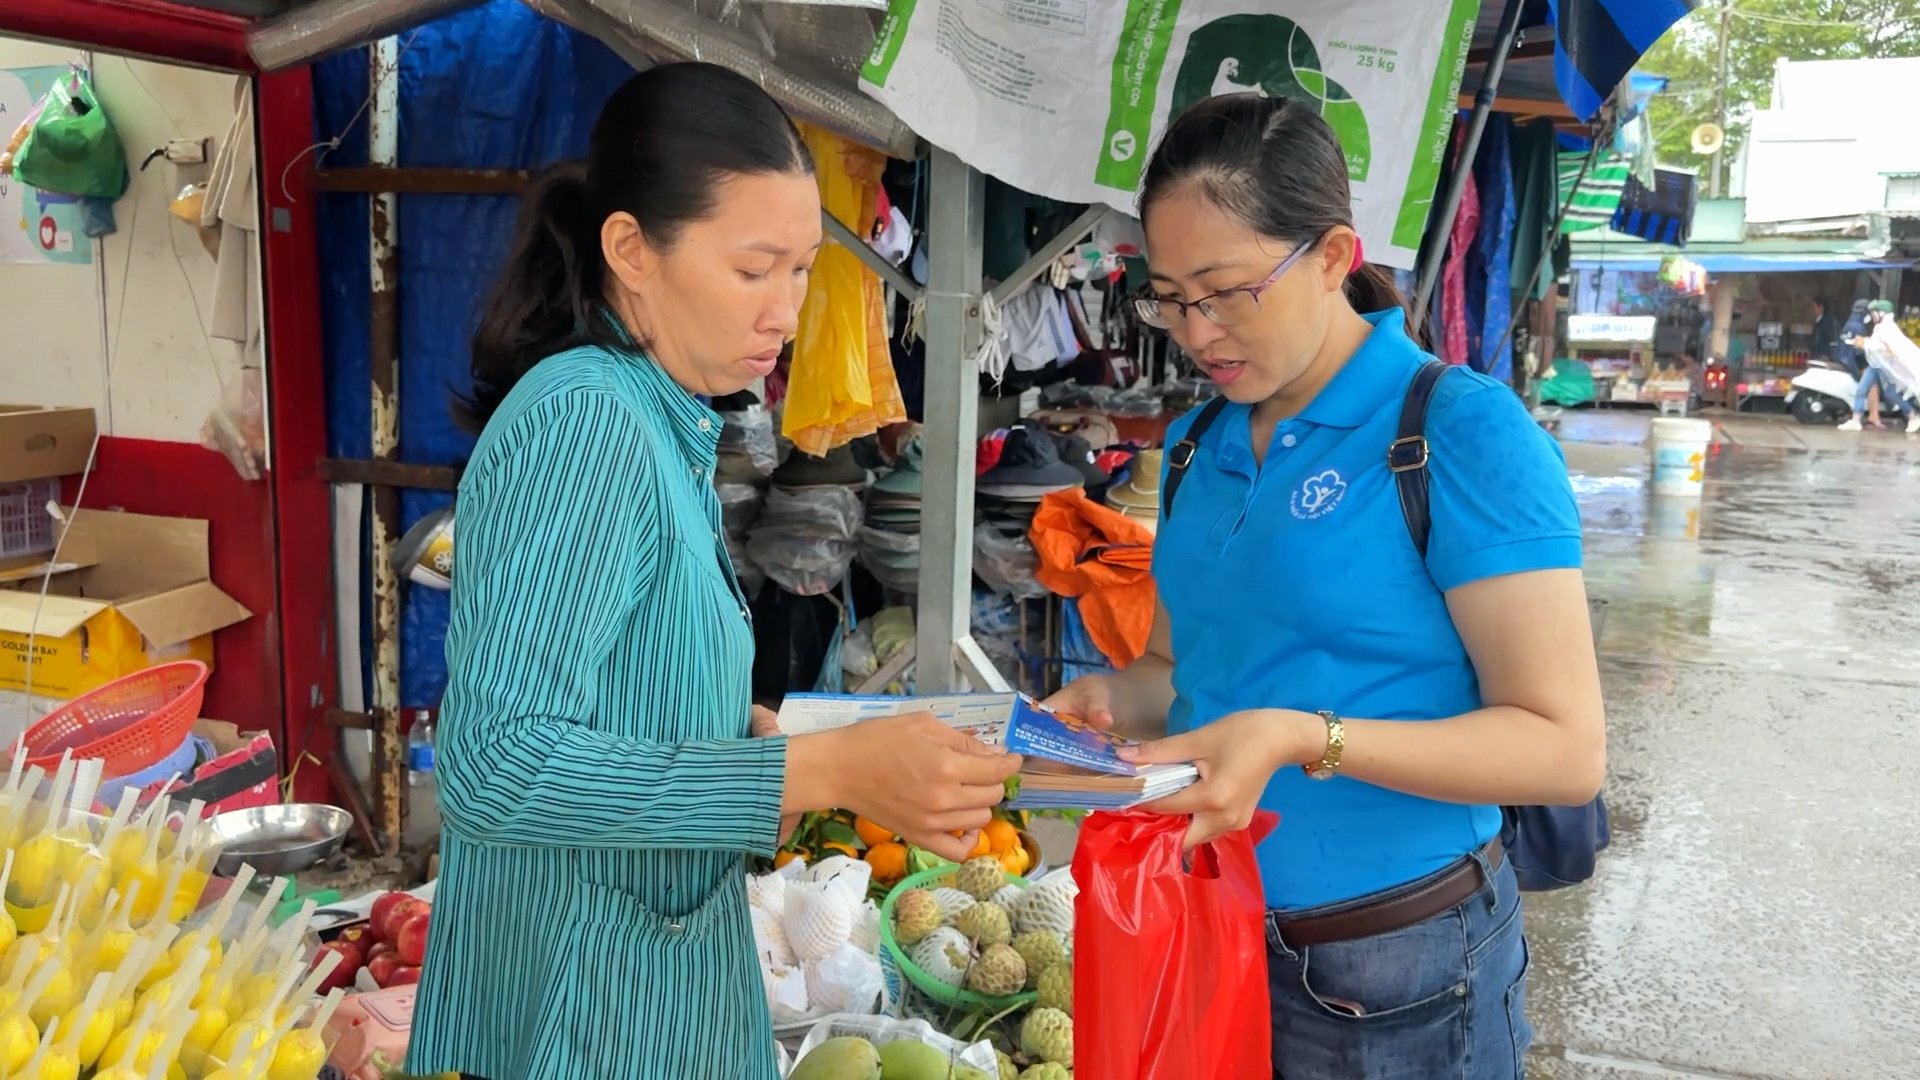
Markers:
{"x": 1463, "y": 166}
{"x": 957, "y": 202}
{"x": 1720, "y": 100}
{"x": 383, "y": 215}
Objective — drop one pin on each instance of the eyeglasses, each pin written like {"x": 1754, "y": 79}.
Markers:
{"x": 1224, "y": 308}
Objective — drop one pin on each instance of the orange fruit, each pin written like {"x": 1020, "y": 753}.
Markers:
{"x": 872, "y": 834}
{"x": 839, "y": 848}
{"x": 1015, "y": 860}
{"x": 889, "y": 860}
{"x": 1001, "y": 836}
{"x": 983, "y": 846}
{"x": 782, "y": 858}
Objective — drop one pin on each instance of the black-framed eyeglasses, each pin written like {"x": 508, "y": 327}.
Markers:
{"x": 1224, "y": 308}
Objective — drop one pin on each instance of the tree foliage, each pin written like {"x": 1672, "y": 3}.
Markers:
{"x": 1759, "y": 32}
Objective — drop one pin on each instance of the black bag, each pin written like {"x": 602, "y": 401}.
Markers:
{"x": 1550, "y": 847}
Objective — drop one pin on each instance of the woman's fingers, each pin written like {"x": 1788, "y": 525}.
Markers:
{"x": 947, "y": 846}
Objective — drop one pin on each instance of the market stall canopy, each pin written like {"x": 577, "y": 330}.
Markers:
{"x": 1571, "y": 54}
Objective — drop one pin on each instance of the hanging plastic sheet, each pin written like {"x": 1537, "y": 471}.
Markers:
{"x": 841, "y": 384}
{"x": 804, "y": 540}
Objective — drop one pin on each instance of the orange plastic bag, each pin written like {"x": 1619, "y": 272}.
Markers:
{"x": 1170, "y": 957}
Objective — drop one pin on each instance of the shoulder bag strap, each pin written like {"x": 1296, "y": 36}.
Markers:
{"x": 1181, "y": 454}
{"x": 1407, "y": 456}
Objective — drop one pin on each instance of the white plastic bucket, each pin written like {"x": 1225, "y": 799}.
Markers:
{"x": 1680, "y": 456}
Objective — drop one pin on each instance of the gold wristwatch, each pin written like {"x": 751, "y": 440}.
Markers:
{"x": 1329, "y": 762}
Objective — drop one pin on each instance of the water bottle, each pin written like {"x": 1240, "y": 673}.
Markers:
{"x": 420, "y": 749}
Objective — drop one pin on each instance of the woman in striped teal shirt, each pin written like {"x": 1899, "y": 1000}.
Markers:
{"x": 602, "y": 772}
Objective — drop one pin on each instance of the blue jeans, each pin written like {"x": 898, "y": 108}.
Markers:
{"x": 1867, "y": 382}
{"x": 1442, "y": 998}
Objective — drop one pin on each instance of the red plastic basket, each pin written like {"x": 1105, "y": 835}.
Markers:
{"x": 130, "y": 723}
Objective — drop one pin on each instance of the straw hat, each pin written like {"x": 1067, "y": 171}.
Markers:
{"x": 1141, "y": 492}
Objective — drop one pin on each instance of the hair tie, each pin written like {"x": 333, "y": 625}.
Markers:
{"x": 1359, "y": 255}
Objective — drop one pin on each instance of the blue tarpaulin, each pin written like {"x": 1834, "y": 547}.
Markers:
{"x": 1597, "y": 42}
{"x": 498, "y": 86}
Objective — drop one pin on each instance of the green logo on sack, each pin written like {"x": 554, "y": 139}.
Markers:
{"x": 1145, "y": 39}
{"x": 887, "y": 43}
{"x": 1270, "y": 55}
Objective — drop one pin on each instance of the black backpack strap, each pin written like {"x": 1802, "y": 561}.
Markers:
{"x": 1180, "y": 455}
{"x": 1407, "y": 456}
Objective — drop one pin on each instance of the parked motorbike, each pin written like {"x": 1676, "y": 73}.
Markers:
{"x": 1823, "y": 394}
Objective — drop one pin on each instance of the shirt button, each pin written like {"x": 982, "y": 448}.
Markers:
{"x": 706, "y": 424}
{"x": 1288, "y": 441}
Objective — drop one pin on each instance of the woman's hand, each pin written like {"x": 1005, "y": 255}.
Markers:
{"x": 1236, "y": 755}
{"x": 1089, "y": 697}
{"x": 926, "y": 779}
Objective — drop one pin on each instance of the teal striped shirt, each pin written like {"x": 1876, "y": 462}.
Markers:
{"x": 597, "y": 782}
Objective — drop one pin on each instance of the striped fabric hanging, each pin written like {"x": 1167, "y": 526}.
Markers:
{"x": 1594, "y": 203}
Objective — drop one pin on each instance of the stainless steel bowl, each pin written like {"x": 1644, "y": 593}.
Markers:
{"x": 278, "y": 839}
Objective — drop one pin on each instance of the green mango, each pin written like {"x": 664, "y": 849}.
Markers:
{"x": 844, "y": 1058}
{"x": 909, "y": 1060}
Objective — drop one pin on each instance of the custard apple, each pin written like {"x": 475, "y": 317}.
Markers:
{"x": 915, "y": 915}
{"x": 944, "y": 954}
{"x": 985, "y": 923}
{"x": 819, "y": 919}
{"x": 952, "y": 902}
{"x": 1046, "y": 1070}
{"x": 998, "y": 972}
{"x": 1041, "y": 949}
{"x": 1048, "y": 1034}
{"x": 1056, "y": 988}
{"x": 980, "y": 878}
{"x": 1008, "y": 895}
{"x": 1008, "y": 1070}
{"x": 1048, "y": 905}
{"x": 768, "y": 892}
{"x": 770, "y": 939}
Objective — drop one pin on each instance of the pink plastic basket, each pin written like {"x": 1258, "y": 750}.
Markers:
{"x": 130, "y": 723}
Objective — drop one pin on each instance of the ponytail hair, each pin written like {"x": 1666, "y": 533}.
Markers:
{"x": 543, "y": 301}
{"x": 662, "y": 150}
{"x": 1275, "y": 164}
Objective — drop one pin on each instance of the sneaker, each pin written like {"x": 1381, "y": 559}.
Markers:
{"x": 1913, "y": 424}
{"x": 1852, "y": 424}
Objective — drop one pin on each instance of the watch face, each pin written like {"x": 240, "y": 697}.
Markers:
{"x": 1319, "y": 772}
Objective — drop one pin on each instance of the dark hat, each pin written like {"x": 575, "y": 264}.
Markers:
{"x": 1078, "y": 452}
{"x": 1030, "y": 462}
{"x": 804, "y": 470}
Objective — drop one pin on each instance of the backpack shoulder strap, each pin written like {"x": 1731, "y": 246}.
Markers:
{"x": 1408, "y": 454}
{"x": 1181, "y": 454}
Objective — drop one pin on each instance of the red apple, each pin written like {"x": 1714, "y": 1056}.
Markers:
{"x": 380, "y": 948}
{"x": 411, "y": 939}
{"x": 399, "y": 913}
{"x": 350, "y": 961}
{"x": 381, "y": 908}
{"x": 405, "y": 976}
{"x": 359, "y": 936}
{"x": 382, "y": 969}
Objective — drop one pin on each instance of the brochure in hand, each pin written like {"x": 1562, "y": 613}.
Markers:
{"x": 1070, "y": 764}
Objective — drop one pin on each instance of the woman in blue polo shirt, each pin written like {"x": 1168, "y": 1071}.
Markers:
{"x": 1306, "y": 655}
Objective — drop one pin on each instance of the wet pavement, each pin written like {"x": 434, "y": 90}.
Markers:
{"x": 1759, "y": 912}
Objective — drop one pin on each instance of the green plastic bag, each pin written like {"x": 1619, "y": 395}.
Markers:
{"x": 73, "y": 148}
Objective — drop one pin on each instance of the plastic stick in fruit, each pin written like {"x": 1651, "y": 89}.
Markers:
{"x": 208, "y": 933}
{"x": 255, "y": 1031}
{"x": 85, "y": 1023}
{"x": 118, "y": 1055}
{"x": 121, "y": 994}
{"x": 146, "y": 870}
{"x": 166, "y": 1058}
{"x": 110, "y": 943}
{"x": 18, "y": 1034}
{"x": 9, "y": 931}
{"x": 16, "y": 810}
{"x": 302, "y": 1054}
{"x": 164, "y": 1003}
{"x": 36, "y": 1066}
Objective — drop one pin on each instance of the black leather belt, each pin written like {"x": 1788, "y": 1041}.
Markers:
{"x": 1398, "y": 910}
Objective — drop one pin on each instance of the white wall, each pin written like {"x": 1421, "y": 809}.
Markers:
{"x": 127, "y": 334}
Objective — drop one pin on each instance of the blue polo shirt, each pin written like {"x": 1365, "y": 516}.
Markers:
{"x": 1296, "y": 585}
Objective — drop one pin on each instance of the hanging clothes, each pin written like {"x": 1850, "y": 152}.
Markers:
{"x": 1494, "y": 252}
{"x": 841, "y": 385}
{"x": 1536, "y": 204}
{"x": 1104, "y": 559}
{"x": 1592, "y": 204}
{"x": 1453, "y": 278}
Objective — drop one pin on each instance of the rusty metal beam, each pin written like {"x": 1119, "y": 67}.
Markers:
{"x": 383, "y": 147}
{"x": 351, "y": 721}
{"x": 393, "y": 474}
{"x": 381, "y": 179}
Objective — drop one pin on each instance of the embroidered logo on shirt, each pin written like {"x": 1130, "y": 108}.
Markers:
{"x": 1318, "y": 496}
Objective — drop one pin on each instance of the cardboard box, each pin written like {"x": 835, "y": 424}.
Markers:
{"x": 131, "y": 591}
{"x": 38, "y": 442}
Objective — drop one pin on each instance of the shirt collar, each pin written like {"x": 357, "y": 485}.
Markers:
{"x": 1360, "y": 388}
{"x": 695, "y": 426}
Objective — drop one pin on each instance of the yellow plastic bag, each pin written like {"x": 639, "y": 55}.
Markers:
{"x": 842, "y": 384}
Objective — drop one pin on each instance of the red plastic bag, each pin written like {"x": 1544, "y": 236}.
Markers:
{"x": 1170, "y": 959}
